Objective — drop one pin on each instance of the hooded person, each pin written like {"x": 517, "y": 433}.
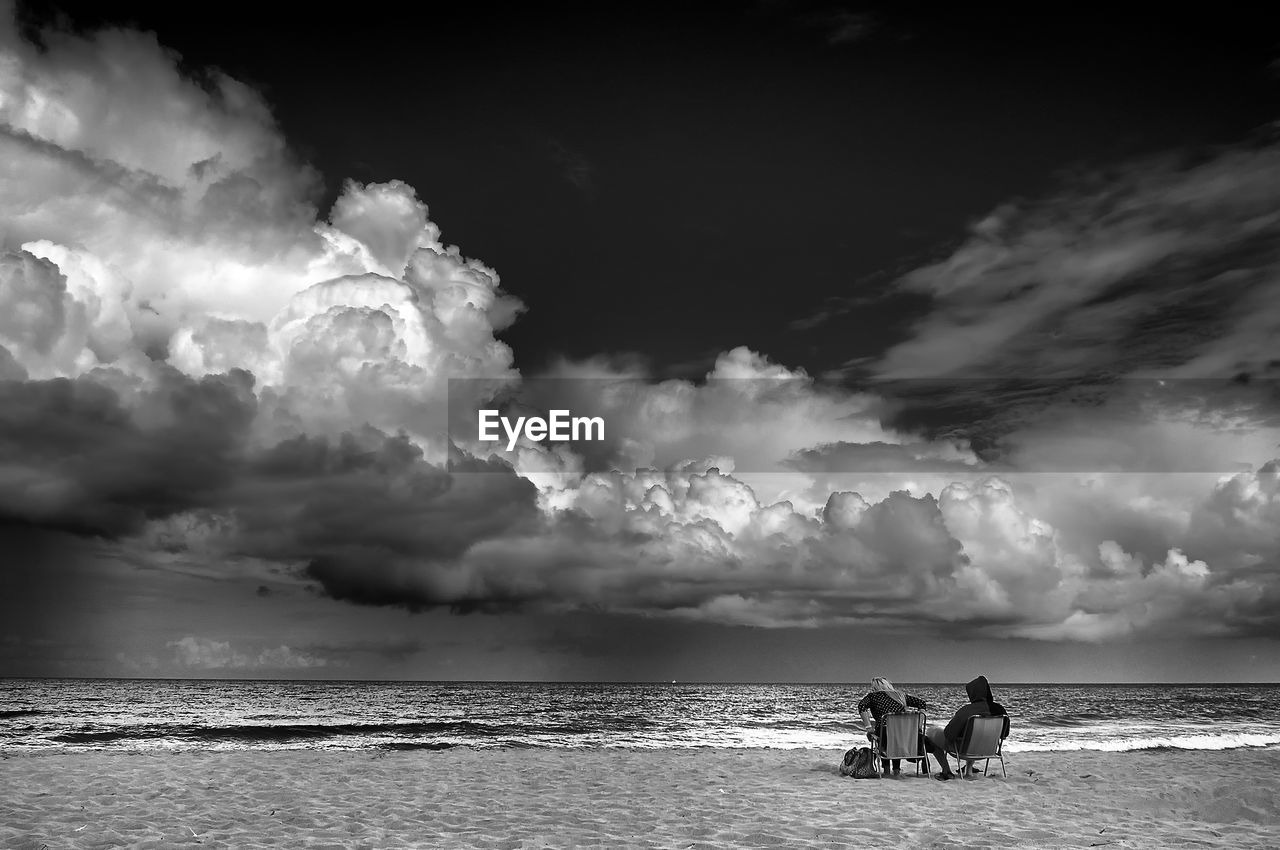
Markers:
{"x": 939, "y": 739}
{"x": 984, "y": 688}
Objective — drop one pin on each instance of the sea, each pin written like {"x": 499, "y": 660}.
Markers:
{"x": 151, "y": 715}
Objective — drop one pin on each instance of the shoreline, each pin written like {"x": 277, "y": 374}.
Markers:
{"x": 709, "y": 798}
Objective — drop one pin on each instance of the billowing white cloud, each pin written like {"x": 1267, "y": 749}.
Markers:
{"x": 42, "y": 327}
{"x": 1239, "y": 524}
{"x": 174, "y": 222}
{"x": 369, "y": 349}
{"x": 748, "y": 415}
{"x": 976, "y": 561}
{"x": 187, "y": 190}
{"x": 167, "y": 203}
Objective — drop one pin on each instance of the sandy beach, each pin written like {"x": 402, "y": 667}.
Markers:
{"x": 631, "y": 798}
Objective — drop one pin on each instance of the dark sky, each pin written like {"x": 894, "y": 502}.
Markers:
{"x": 675, "y": 180}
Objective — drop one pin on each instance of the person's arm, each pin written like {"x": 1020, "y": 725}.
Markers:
{"x": 915, "y": 702}
{"x": 864, "y": 708}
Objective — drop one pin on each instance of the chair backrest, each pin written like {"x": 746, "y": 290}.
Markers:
{"x": 902, "y": 735}
{"x": 982, "y": 736}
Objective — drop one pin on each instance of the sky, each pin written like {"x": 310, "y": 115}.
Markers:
{"x": 926, "y": 344}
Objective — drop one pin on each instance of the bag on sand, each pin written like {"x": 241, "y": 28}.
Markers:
{"x": 859, "y": 764}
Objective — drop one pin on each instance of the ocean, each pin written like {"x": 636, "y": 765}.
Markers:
{"x": 71, "y": 715}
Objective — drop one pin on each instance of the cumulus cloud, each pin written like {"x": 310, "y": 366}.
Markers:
{"x": 749, "y": 410}
{"x": 163, "y": 245}
{"x": 976, "y": 561}
{"x": 42, "y": 327}
{"x": 1128, "y": 597}
{"x": 194, "y": 361}
{"x": 186, "y": 188}
{"x": 1238, "y": 525}
{"x": 173, "y": 207}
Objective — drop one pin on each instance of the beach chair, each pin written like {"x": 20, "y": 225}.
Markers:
{"x": 982, "y": 740}
{"x": 901, "y": 736}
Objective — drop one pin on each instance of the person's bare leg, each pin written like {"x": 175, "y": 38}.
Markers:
{"x": 935, "y": 742}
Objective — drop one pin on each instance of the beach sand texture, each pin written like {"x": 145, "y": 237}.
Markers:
{"x": 700, "y": 798}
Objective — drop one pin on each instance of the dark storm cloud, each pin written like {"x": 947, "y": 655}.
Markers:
{"x": 84, "y": 455}
{"x": 104, "y": 455}
{"x": 376, "y": 523}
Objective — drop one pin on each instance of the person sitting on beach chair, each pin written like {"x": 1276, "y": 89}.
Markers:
{"x": 938, "y": 739}
{"x": 884, "y": 699}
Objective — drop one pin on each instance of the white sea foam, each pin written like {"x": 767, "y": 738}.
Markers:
{"x": 1213, "y": 741}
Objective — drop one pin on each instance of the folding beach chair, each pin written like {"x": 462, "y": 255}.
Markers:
{"x": 901, "y": 736}
{"x": 982, "y": 740}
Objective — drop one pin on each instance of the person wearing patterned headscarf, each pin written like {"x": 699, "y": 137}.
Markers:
{"x": 883, "y": 699}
